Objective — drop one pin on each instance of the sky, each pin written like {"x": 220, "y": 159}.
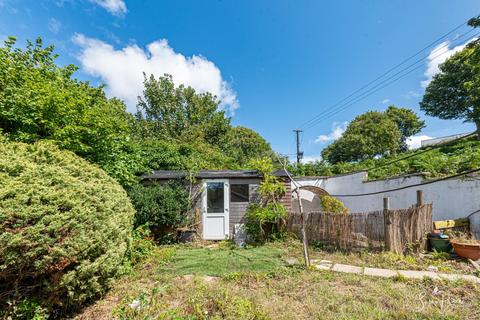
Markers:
{"x": 275, "y": 65}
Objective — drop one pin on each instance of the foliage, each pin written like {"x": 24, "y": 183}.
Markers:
{"x": 175, "y": 128}
{"x": 407, "y": 121}
{"x": 166, "y": 155}
{"x": 262, "y": 222}
{"x": 262, "y": 219}
{"x": 244, "y": 145}
{"x": 30, "y": 309}
{"x": 449, "y": 159}
{"x": 64, "y": 224}
{"x": 374, "y": 134}
{"x": 40, "y": 100}
{"x": 369, "y": 135}
{"x": 142, "y": 246}
{"x": 179, "y": 113}
{"x": 271, "y": 188}
{"x": 333, "y": 205}
{"x": 454, "y": 92}
{"x": 161, "y": 207}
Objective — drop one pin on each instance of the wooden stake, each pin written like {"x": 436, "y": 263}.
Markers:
{"x": 304, "y": 231}
{"x": 419, "y": 198}
{"x": 387, "y": 223}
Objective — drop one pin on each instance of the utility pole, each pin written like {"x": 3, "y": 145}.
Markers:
{"x": 299, "y": 153}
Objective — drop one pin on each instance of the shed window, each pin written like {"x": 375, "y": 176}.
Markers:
{"x": 239, "y": 193}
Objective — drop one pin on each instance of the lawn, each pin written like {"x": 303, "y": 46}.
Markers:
{"x": 185, "y": 282}
{"x": 221, "y": 261}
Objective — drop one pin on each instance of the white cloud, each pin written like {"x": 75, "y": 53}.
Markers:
{"x": 385, "y": 101}
{"x": 415, "y": 142}
{"x": 115, "y": 7}
{"x": 54, "y": 25}
{"x": 122, "y": 70}
{"x": 337, "y": 131}
{"x": 307, "y": 159}
{"x": 439, "y": 55}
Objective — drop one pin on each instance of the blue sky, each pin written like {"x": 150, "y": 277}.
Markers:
{"x": 275, "y": 64}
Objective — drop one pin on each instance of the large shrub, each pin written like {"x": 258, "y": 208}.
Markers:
{"x": 161, "y": 207}
{"x": 65, "y": 225}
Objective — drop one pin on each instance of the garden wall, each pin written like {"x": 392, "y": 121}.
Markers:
{"x": 452, "y": 199}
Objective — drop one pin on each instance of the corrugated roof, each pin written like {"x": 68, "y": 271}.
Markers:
{"x": 207, "y": 174}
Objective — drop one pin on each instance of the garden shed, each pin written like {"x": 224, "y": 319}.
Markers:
{"x": 220, "y": 197}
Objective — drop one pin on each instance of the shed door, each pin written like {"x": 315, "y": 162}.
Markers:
{"x": 215, "y": 209}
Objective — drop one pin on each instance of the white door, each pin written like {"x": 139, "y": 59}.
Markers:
{"x": 215, "y": 209}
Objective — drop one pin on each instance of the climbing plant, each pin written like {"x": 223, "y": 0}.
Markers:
{"x": 263, "y": 217}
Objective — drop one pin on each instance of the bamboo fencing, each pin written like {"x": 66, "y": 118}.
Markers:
{"x": 400, "y": 231}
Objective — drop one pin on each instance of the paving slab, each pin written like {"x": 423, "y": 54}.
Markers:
{"x": 347, "y": 268}
{"x": 411, "y": 274}
{"x": 376, "y": 272}
{"x": 322, "y": 267}
{"x": 454, "y": 277}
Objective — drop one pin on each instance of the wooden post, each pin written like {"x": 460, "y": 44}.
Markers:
{"x": 386, "y": 203}
{"x": 304, "y": 231}
{"x": 387, "y": 223}
{"x": 419, "y": 198}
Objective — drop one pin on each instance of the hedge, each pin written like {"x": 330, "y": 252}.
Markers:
{"x": 65, "y": 226}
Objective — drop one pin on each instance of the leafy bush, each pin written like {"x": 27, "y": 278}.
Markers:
{"x": 262, "y": 220}
{"x": 142, "y": 245}
{"x": 65, "y": 225}
{"x": 333, "y": 205}
{"x": 161, "y": 207}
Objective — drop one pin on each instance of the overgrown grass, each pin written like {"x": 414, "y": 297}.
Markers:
{"x": 268, "y": 289}
{"x": 389, "y": 260}
{"x": 449, "y": 159}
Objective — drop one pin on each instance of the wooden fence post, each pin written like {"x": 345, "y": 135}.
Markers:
{"x": 387, "y": 222}
{"x": 419, "y": 198}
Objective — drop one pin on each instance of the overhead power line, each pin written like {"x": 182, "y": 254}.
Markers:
{"x": 384, "y": 83}
{"x": 409, "y": 186}
{"x": 315, "y": 118}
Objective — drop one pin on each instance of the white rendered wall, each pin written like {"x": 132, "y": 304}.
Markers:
{"x": 452, "y": 199}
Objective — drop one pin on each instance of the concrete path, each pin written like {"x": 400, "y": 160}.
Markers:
{"x": 389, "y": 273}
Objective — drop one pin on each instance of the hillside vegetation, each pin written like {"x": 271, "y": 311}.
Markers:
{"x": 434, "y": 162}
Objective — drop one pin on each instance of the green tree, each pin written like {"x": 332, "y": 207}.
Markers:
{"x": 454, "y": 93}
{"x": 244, "y": 144}
{"x": 407, "y": 121}
{"x": 369, "y": 135}
{"x": 179, "y": 113}
{"x": 40, "y": 100}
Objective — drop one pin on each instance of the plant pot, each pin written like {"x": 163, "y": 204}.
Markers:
{"x": 184, "y": 236}
{"x": 467, "y": 250}
{"x": 440, "y": 245}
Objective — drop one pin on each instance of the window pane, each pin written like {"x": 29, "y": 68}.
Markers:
{"x": 215, "y": 197}
{"x": 239, "y": 193}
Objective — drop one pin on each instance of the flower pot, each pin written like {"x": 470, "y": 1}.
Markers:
{"x": 440, "y": 245}
{"x": 184, "y": 236}
{"x": 467, "y": 250}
